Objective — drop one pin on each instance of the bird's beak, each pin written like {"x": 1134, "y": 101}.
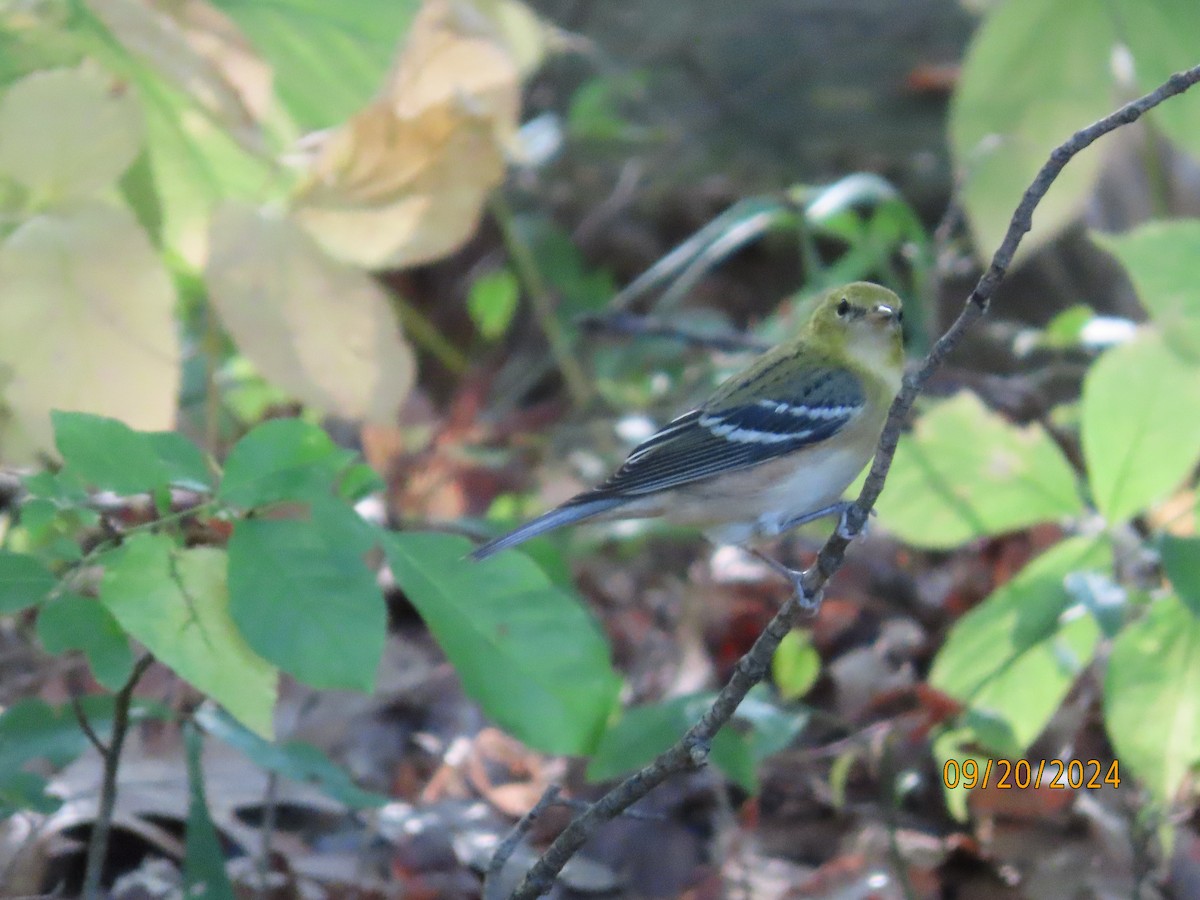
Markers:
{"x": 883, "y": 313}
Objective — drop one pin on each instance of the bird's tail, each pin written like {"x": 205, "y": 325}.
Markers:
{"x": 566, "y": 514}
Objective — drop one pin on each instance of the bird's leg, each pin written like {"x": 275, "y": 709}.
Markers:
{"x": 842, "y": 509}
{"x": 810, "y": 603}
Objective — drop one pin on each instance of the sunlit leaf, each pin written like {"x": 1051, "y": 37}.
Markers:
{"x": 68, "y": 133}
{"x": 328, "y": 58}
{"x": 86, "y": 323}
{"x": 318, "y": 328}
{"x": 405, "y": 180}
{"x": 1160, "y": 258}
{"x": 1151, "y": 707}
{"x": 176, "y": 602}
{"x": 1035, "y": 71}
{"x": 492, "y": 302}
{"x": 1013, "y": 658}
{"x": 965, "y": 472}
{"x": 1141, "y": 425}
{"x": 205, "y": 134}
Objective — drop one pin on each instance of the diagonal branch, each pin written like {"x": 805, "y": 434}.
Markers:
{"x": 692, "y": 749}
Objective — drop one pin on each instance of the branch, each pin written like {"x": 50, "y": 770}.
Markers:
{"x": 692, "y": 749}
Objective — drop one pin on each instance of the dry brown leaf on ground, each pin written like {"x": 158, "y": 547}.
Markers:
{"x": 317, "y": 328}
{"x": 404, "y": 181}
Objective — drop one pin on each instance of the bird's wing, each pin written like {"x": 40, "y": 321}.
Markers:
{"x": 728, "y": 434}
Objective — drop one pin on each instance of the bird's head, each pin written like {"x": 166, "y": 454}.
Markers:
{"x": 863, "y": 318}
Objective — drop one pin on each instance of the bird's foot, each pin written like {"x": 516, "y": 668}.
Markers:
{"x": 843, "y": 529}
{"x": 842, "y": 510}
{"x": 809, "y": 603}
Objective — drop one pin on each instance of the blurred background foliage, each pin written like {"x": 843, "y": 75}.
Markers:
{"x": 294, "y": 295}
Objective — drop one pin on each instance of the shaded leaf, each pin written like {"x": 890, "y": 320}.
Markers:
{"x": 643, "y": 732}
{"x": 24, "y": 581}
{"x": 295, "y": 759}
{"x": 108, "y": 454}
{"x": 72, "y": 622}
{"x": 321, "y": 330}
{"x": 1181, "y": 559}
{"x": 204, "y": 872}
{"x": 281, "y": 459}
{"x": 306, "y": 601}
{"x": 526, "y": 651}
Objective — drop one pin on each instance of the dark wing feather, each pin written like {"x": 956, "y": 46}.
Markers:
{"x": 724, "y": 436}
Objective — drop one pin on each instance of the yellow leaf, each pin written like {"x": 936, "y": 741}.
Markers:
{"x": 68, "y": 133}
{"x": 86, "y": 323}
{"x": 404, "y": 181}
{"x": 319, "y": 329}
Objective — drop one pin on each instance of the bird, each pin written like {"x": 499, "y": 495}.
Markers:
{"x": 774, "y": 446}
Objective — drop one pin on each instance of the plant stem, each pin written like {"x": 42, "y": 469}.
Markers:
{"x": 542, "y": 300}
{"x": 98, "y": 845}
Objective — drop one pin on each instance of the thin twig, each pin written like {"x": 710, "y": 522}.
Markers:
{"x": 691, "y": 750}
{"x": 98, "y": 845}
{"x": 86, "y": 727}
{"x": 541, "y": 298}
{"x": 491, "y": 880}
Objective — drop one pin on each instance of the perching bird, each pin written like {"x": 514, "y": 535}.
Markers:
{"x": 776, "y": 444}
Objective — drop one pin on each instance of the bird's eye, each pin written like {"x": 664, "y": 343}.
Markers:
{"x": 843, "y": 307}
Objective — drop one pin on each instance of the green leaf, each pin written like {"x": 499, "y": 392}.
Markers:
{"x": 72, "y": 622}
{"x": 1181, "y": 560}
{"x": 1035, "y": 71}
{"x": 25, "y": 792}
{"x": 183, "y": 460}
{"x": 1141, "y": 425}
{"x": 965, "y": 472}
{"x": 757, "y": 730}
{"x": 526, "y": 651}
{"x": 1161, "y": 35}
{"x": 204, "y": 872}
{"x": 1013, "y": 658}
{"x": 68, "y": 134}
{"x": 23, "y": 581}
{"x": 329, "y": 59}
{"x": 492, "y": 302}
{"x": 1151, "y": 707}
{"x": 305, "y": 600}
{"x": 295, "y": 760}
{"x": 1160, "y": 258}
{"x": 176, "y": 602}
{"x": 32, "y": 729}
{"x": 796, "y": 665}
{"x": 108, "y": 454}
{"x": 283, "y": 459}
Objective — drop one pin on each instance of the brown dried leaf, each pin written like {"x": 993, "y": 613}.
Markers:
{"x": 405, "y": 180}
